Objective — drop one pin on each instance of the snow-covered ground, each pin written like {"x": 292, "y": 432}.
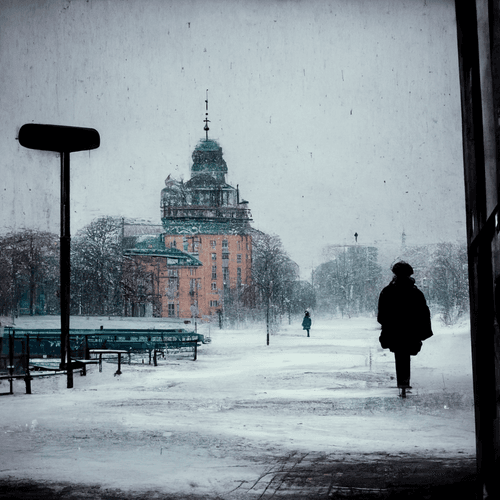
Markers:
{"x": 213, "y": 426}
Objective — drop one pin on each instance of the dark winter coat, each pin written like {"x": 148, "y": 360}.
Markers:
{"x": 404, "y": 316}
{"x": 306, "y": 323}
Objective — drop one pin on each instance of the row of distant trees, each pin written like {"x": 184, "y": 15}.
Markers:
{"x": 105, "y": 282}
{"x": 350, "y": 281}
{"x": 441, "y": 272}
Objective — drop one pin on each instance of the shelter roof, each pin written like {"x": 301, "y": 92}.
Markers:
{"x": 154, "y": 246}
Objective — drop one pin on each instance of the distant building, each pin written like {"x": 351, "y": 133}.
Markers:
{"x": 203, "y": 257}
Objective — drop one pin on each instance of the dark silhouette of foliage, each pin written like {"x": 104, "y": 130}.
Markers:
{"x": 29, "y": 273}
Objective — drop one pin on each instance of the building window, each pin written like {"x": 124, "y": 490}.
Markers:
{"x": 225, "y": 255}
{"x": 214, "y": 256}
{"x": 214, "y": 272}
{"x": 185, "y": 244}
{"x": 171, "y": 310}
{"x": 225, "y": 276}
{"x": 239, "y": 245}
{"x": 173, "y": 272}
{"x": 214, "y": 303}
{"x": 225, "y": 244}
{"x": 248, "y": 246}
{"x": 213, "y": 243}
{"x": 214, "y": 285}
{"x": 173, "y": 244}
{"x": 238, "y": 276}
{"x": 192, "y": 272}
{"x": 192, "y": 285}
{"x": 238, "y": 258}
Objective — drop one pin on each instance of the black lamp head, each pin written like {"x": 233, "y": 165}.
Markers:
{"x": 59, "y": 138}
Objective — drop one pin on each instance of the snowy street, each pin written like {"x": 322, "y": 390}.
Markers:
{"x": 247, "y": 420}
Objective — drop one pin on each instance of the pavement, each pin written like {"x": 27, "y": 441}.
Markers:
{"x": 300, "y": 476}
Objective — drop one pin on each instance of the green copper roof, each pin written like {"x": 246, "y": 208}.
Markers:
{"x": 214, "y": 226}
{"x": 209, "y": 145}
{"x": 207, "y": 157}
{"x": 153, "y": 246}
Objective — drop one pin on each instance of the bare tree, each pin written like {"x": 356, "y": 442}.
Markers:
{"x": 442, "y": 274}
{"x": 273, "y": 272}
{"x": 350, "y": 280}
{"x": 104, "y": 281}
{"x": 28, "y": 271}
{"x": 139, "y": 286}
{"x": 97, "y": 267}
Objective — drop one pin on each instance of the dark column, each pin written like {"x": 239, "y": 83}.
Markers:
{"x": 27, "y": 376}
{"x": 65, "y": 265}
{"x": 11, "y": 362}
{"x": 477, "y": 28}
{"x": 119, "y": 371}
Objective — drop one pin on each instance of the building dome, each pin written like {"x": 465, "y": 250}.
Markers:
{"x": 207, "y": 158}
{"x": 205, "y": 204}
{"x": 207, "y": 145}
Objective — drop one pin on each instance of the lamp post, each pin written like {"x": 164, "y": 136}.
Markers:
{"x": 270, "y": 292}
{"x": 64, "y": 140}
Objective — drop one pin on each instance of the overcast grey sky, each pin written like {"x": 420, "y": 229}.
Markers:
{"x": 335, "y": 116}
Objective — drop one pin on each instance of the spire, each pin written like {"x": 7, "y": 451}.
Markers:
{"x": 206, "y": 120}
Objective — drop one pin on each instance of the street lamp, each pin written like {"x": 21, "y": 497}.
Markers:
{"x": 268, "y": 308}
{"x": 64, "y": 140}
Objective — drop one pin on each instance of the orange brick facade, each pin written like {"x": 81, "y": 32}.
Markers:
{"x": 226, "y": 264}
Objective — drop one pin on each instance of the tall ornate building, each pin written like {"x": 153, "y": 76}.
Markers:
{"x": 206, "y": 218}
{"x": 203, "y": 258}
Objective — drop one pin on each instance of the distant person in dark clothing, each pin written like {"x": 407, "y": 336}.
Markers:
{"x": 306, "y": 323}
{"x": 405, "y": 320}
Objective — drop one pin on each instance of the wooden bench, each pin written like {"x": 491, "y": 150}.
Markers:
{"x": 181, "y": 343}
{"x": 109, "y": 351}
{"x": 27, "y": 343}
{"x": 82, "y": 364}
{"x": 28, "y": 376}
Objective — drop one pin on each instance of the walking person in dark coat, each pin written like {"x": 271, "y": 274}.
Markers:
{"x": 306, "y": 322}
{"x": 405, "y": 320}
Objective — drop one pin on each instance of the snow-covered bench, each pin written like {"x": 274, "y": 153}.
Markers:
{"x": 175, "y": 343}
{"x": 109, "y": 351}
